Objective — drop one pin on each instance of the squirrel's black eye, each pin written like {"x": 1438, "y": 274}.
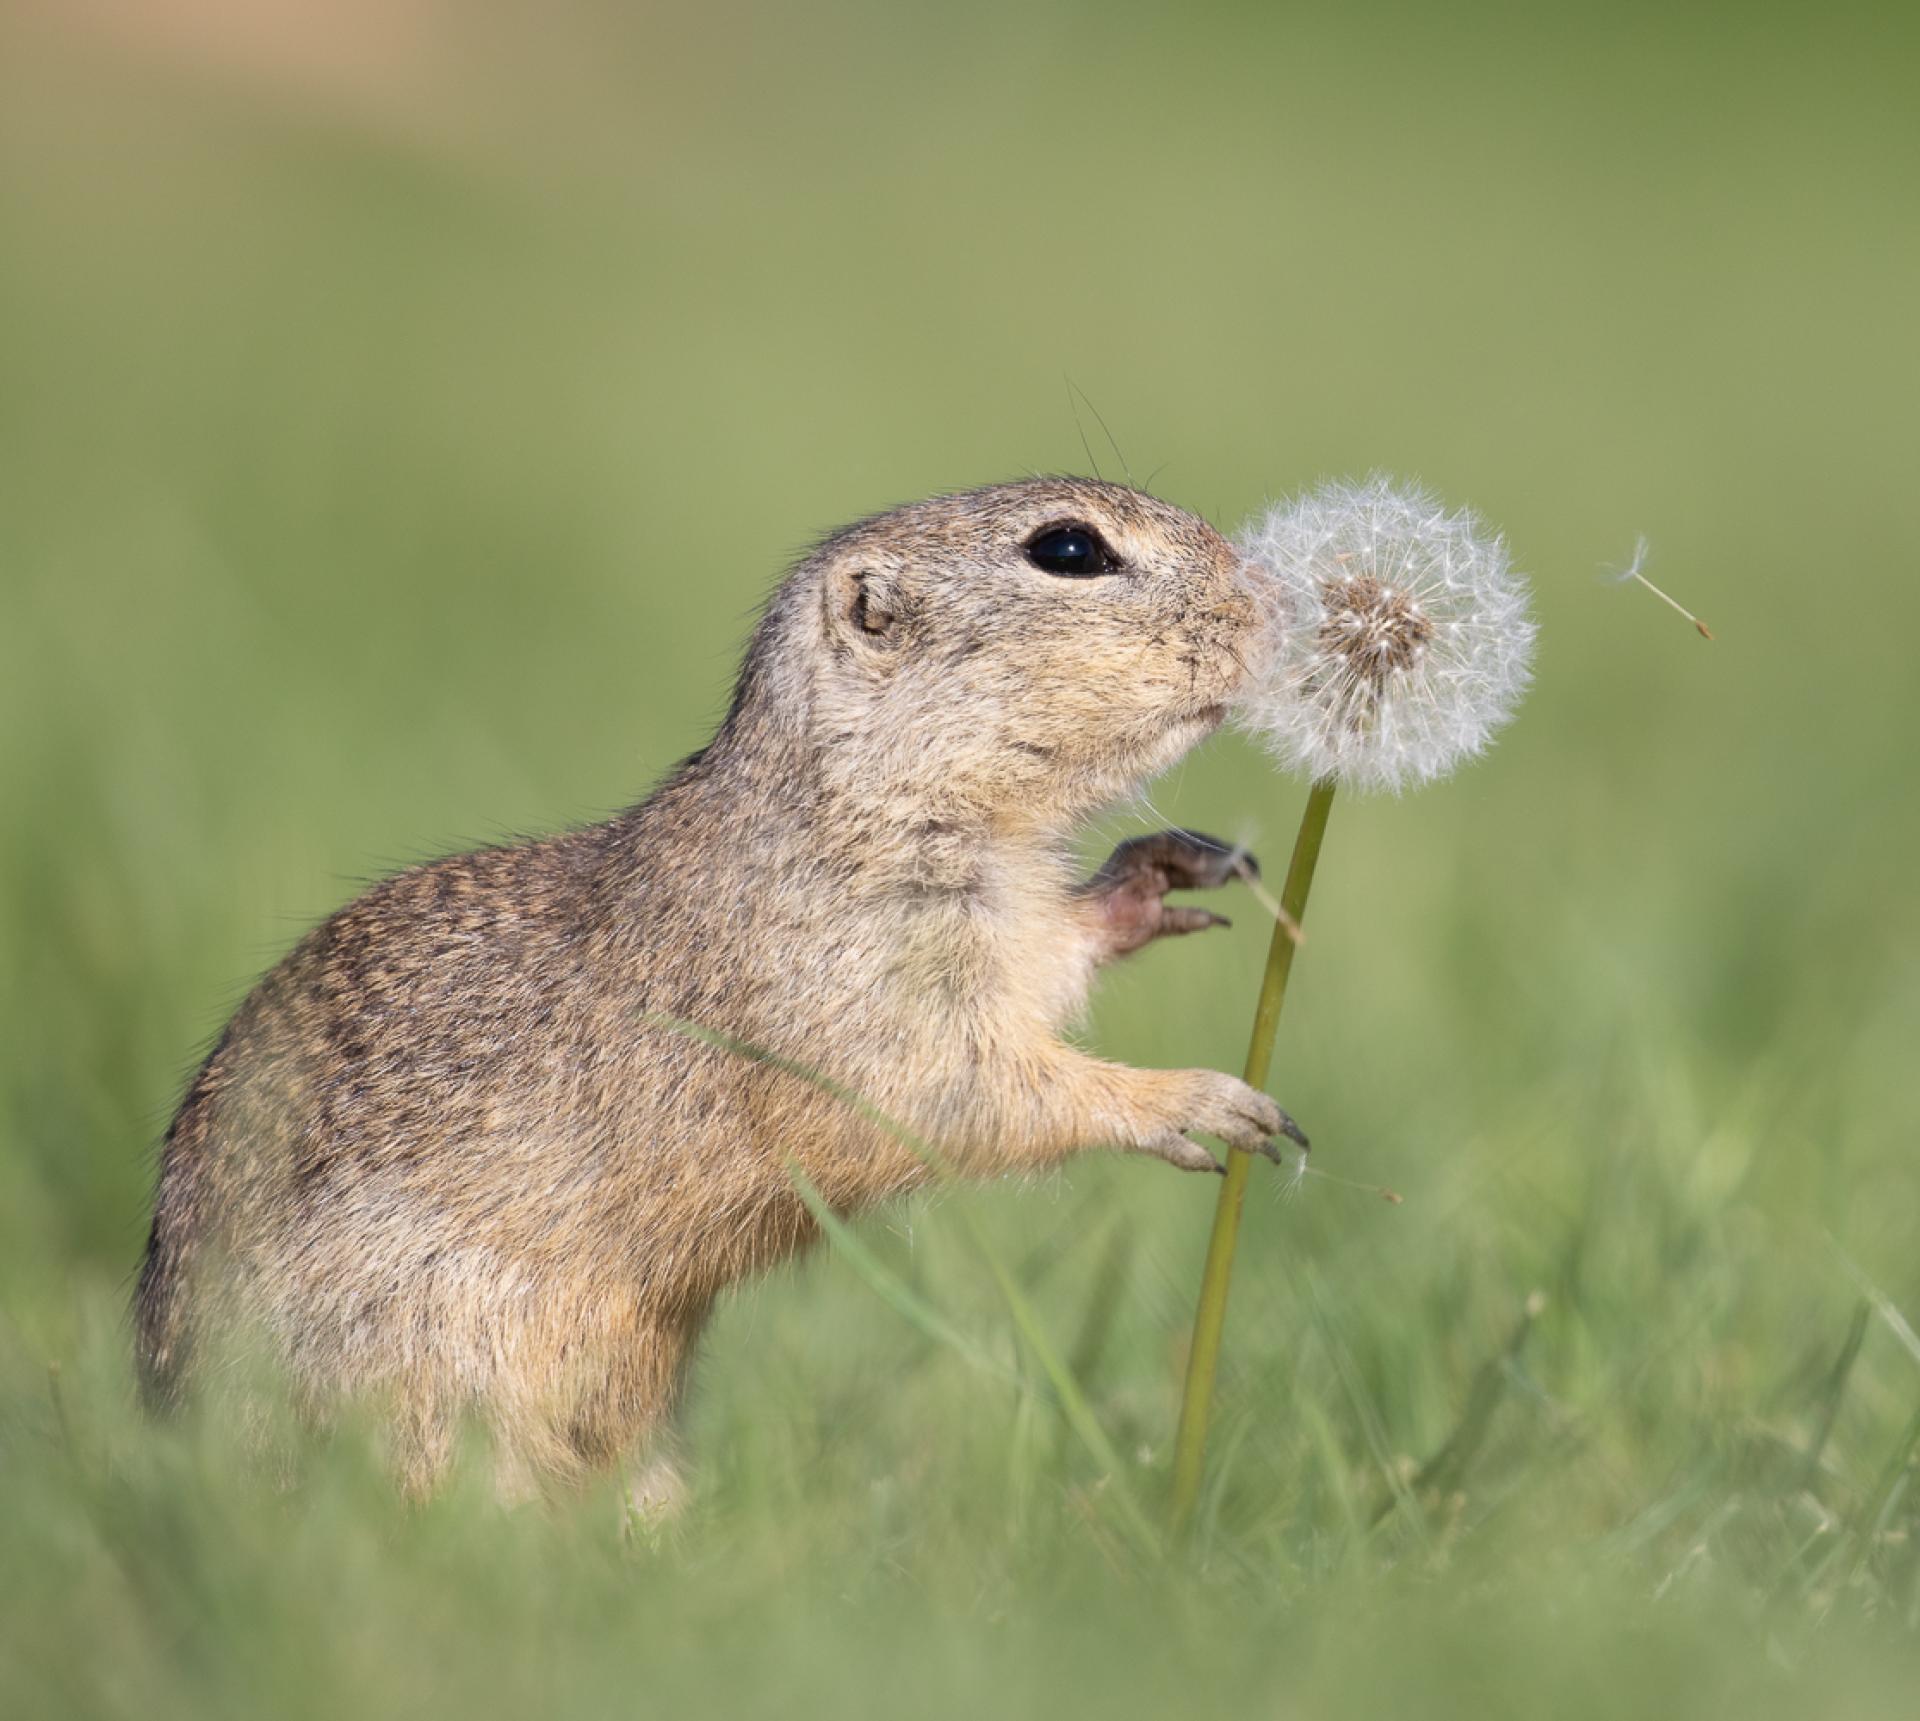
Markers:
{"x": 1078, "y": 552}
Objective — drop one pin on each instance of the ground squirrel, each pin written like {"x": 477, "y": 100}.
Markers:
{"x": 454, "y": 1154}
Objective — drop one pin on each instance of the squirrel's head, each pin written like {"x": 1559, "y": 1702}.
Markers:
{"x": 1025, "y": 652}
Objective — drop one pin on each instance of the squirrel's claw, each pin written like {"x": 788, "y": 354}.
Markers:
{"x": 1186, "y": 860}
{"x": 1174, "y": 921}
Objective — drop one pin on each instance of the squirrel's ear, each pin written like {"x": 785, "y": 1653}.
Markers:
{"x": 864, "y": 607}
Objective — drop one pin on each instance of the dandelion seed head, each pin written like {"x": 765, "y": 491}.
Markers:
{"x": 1398, "y": 638}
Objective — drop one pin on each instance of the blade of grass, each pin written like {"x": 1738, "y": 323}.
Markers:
{"x": 1073, "y": 1403}
{"x": 1883, "y": 1305}
{"x": 1103, "y": 1303}
{"x": 1833, "y": 1391}
{"x": 1878, "y": 1507}
{"x": 890, "y": 1287}
{"x": 1365, "y": 1412}
{"x": 1447, "y": 1465}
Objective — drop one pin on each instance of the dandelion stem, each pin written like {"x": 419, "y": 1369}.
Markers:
{"x": 1210, "y": 1318}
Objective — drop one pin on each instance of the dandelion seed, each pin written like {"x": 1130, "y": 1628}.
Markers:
{"x": 1632, "y": 572}
{"x": 1298, "y": 1176}
{"x": 1398, "y": 635}
{"x": 1266, "y": 899}
{"x": 1302, "y": 1171}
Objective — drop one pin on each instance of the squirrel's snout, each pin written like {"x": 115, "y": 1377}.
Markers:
{"x": 1226, "y": 635}
{"x": 1236, "y": 610}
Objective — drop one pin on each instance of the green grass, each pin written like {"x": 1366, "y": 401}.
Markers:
{"x": 388, "y": 473}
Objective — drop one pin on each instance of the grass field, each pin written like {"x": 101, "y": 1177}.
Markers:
{"x": 397, "y": 429}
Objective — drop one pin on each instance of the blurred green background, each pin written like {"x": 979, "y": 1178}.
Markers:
{"x": 403, "y": 407}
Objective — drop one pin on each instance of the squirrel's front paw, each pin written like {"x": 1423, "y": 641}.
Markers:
{"x": 1227, "y": 1108}
{"x": 1127, "y": 896}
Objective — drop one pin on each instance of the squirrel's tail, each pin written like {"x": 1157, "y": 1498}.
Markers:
{"x": 164, "y": 1297}
{"x": 160, "y": 1305}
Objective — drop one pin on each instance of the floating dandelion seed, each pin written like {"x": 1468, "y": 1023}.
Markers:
{"x": 1240, "y": 863}
{"x": 1397, "y": 630}
{"x": 1632, "y": 572}
{"x": 1302, "y": 1170}
{"x": 1297, "y": 1176}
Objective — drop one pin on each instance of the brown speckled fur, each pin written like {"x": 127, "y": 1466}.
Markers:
{"x": 447, "y": 1156}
